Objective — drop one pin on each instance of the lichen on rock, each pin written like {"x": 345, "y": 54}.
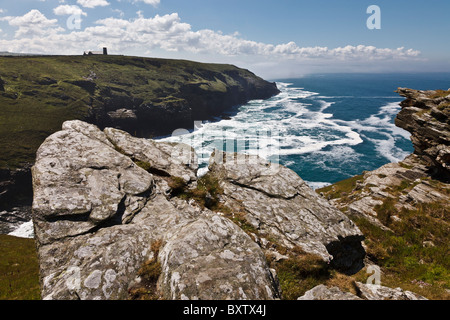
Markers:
{"x": 102, "y": 198}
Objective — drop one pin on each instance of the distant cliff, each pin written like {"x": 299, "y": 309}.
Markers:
{"x": 143, "y": 96}
{"x": 119, "y": 217}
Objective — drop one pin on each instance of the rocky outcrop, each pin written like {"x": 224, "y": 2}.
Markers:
{"x": 402, "y": 207}
{"x": 365, "y": 292}
{"x": 421, "y": 178}
{"x": 277, "y": 203}
{"x": 406, "y": 183}
{"x": 109, "y": 225}
{"x": 378, "y": 292}
{"x": 426, "y": 114}
{"x": 322, "y": 292}
{"x": 143, "y": 96}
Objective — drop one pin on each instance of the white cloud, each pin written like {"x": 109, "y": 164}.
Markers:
{"x": 169, "y": 33}
{"x": 33, "y": 24}
{"x": 152, "y": 2}
{"x": 93, "y": 3}
{"x": 68, "y": 10}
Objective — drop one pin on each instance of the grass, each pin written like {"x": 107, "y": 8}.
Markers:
{"x": 415, "y": 254}
{"x": 149, "y": 274}
{"x": 39, "y": 93}
{"x": 341, "y": 188}
{"x": 19, "y": 271}
{"x": 300, "y": 273}
{"x": 444, "y": 106}
{"x": 303, "y": 271}
{"x": 439, "y": 94}
{"x": 206, "y": 194}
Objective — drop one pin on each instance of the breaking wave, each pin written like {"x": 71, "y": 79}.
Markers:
{"x": 299, "y": 126}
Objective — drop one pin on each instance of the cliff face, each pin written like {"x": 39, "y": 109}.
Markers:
{"x": 426, "y": 114}
{"x": 142, "y": 96}
{"x": 120, "y": 217}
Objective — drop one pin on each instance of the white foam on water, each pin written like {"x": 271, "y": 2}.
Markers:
{"x": 272, "y": 134}
{"x": 317, "y": 184}
{"x": 285, "y": 125}
{"x": 382, "y": 124}
{"x": 25, "y": 230}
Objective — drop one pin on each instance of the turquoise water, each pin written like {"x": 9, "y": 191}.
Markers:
{"x": 324, "y": 127}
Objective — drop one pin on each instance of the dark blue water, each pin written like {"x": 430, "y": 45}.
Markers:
{"x": 324, "y": 127}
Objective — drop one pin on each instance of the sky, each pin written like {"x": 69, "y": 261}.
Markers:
{"x": 275, "y": 39}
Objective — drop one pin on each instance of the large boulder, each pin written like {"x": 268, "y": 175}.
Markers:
{"x": 278, "y": 204}
{"x": 97, "y": 215}
{"x": 109, "y": 225}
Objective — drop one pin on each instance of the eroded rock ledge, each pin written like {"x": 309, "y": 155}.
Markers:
{"x": 105, "y": 209}
{"x": 426, "y": 114}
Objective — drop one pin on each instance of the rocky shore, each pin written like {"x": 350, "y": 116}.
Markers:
{"x": 143, "y": 96}
{"x": 107, "y": 206}
{"x": 121, "y": 217}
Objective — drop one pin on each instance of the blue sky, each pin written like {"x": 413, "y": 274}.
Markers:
{"x": 273, "y": 38}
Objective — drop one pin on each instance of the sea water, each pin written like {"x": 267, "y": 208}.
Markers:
{"x": 325, "y": 127}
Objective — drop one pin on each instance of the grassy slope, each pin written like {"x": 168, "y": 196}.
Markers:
{"x": 19, "y": 271}
{"x": 38, "y": 93}
{"x": 415, "y": 254}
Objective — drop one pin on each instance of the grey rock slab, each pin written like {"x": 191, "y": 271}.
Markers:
{"x": 280, "y": 205}
{"x": 79, "y": 182}
{"x": 173, "y": 159}
{"x": 322, "y": 292}
{"x": 378, "y": 292}
{"x": 213, "y": 259}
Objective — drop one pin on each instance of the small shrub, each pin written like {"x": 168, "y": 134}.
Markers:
{"x": 177, "y": 185}
{"x": 300, "y": 273}
{"x": 149, "y": 273}
{"x": 142, "y": 164}
{"x": 385, "y": 211}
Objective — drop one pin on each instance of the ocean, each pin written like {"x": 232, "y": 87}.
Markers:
{"x": 325, "y": 127}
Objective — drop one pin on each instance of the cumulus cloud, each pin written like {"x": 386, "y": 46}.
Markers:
{"x": 68, "y": 10}
{"x": 33, "y": 24}
{"x": 169, "y": 33}
{"x": 152, "y": 2}
{"x": 93, "y": 3}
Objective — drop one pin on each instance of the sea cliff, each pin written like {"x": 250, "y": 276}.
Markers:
{"x": 143, "y": 96}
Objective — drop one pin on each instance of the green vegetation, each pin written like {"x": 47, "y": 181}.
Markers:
{"x": 177, "y": 185}
{"x": 206, "y": 194}
{"x": 340, "y": 189}
{"x": 413, "y": 253}
{"x": 142, "y": 164}
{"x": 149, "y": 273}
{"x": 19, "y": 271}
{"x": 300, "y": 273}
{"x": 439, "y": 94}
{"x": 39, "y": 93}
{"x": 444, "y": 106}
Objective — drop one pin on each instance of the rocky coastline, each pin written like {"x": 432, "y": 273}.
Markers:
{"x": 121, "y": 217}
{"x": 157, "y": 97}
